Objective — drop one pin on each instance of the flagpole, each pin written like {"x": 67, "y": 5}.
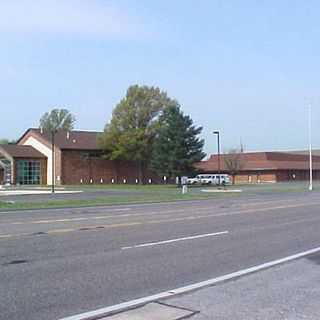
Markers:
{"x": 310, "y": 149}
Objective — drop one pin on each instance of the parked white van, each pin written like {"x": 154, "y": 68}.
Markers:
{"x": 214, "y": 179}
{"x": 211, "y": 178}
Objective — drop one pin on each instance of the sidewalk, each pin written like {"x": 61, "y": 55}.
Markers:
{"x": 287, "y": 292}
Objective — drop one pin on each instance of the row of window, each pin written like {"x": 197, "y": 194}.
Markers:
{"x": 28, "y": 172}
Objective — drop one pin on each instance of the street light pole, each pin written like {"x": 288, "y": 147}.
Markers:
{"x": 219, "y": 164}
{"x": 310, "y": 149}
{"x": 52, "y": 161}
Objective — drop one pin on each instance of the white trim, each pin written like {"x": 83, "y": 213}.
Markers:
{"x": 35, "y": 143}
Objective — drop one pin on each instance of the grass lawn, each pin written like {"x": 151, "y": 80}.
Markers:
{"x": 131, "y": 194}
{"x": 126, "y": 194}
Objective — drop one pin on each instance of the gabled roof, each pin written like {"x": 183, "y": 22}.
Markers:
{"x": 68, "y": 140}
{"x": 17, "y": 151}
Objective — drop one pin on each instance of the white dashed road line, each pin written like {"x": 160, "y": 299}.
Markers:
{"x": 151, "y": 244}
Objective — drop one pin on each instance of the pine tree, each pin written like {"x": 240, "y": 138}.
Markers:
{"x": 177, "y": 146}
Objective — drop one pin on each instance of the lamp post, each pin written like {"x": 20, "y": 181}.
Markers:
{"x": 53, "y": 133}
{"x": 310, "y": 149}
{"x": 217, "y": 133}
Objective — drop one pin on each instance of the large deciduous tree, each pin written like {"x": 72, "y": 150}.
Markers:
{"x": 57, "y": 119}
{"x": 130, "y": 133}
{"x": 177, "y": 146}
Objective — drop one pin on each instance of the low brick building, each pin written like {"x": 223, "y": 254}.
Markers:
{"x": 77, "y": 160}
{"x": 259, "y": 167}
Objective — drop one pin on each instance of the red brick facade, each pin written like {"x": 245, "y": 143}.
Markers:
{"x": 78, "y": 159}
{"x": 79, "y": 167}
{"x": 262, "y": 167}
{"x": 1, "y": 176}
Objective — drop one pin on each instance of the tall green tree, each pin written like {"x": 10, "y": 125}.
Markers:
{"x": 177, "y": 146}
{"x": 57, "y": 119}
{"x": 131, "y": 131}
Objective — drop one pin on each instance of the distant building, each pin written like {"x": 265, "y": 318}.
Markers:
{"x": 78, "y": 159}
{"x": 259, "y": 167}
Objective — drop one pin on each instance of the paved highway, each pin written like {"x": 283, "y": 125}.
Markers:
{"x": 56, "y": 263}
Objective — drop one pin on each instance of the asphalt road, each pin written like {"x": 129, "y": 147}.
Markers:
{"x": 56, "y": 263}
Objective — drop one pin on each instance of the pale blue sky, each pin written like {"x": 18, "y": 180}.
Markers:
{"x": 247, "y": 68}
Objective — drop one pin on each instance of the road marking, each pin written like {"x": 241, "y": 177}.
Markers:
{"x": 86, "y": 218}
{"x": 59, "y": 231}
{"x": 67, "y": 219}
{"x": 150, "y": 244}
{"x": 5, "y": 236}
{"x": 104, "y": 312}
{"x": 188, "y": 218}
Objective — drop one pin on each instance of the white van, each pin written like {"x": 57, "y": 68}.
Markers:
{"x": 214, "y": 179}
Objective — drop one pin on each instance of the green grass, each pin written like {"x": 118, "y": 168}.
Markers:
{"x": 279, "y": 187}
{"x": 124, "y": 187}
{"x": 112, "y": 200}
{"x": 150, "y": 193}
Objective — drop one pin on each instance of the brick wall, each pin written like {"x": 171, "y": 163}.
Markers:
{"x": 275, "y": 176}
{"x": 58, "y": 165}
{"x": 1, "y": 176}
{"x": 268, "y": 177}
{"x": 77, "y": 166}
{"x": 256, "y": 177}
{"x": 43, "y": 164}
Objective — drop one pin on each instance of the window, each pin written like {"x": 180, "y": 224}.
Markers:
{"x": 28, "y": 172}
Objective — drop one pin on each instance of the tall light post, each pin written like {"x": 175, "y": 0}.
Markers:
{"x": 310, "y": 149}
{"x": 53, "y": 133}
{"x": 217, "y": 133}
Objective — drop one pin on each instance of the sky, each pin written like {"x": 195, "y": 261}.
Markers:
{"x": 247, "y": 68}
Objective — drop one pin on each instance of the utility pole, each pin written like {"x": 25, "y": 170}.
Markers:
{"x": 53, "y": 132}
{"x": 219, "y": 164}
{"x": 310, "y": 149}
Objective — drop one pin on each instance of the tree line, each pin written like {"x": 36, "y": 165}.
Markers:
{"x": 148, "y": 127}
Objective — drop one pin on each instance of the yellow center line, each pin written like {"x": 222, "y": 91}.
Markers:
{"x": 120, "y": 225}
{"x": 129, "y": 224}
{"x": 141, "y": 214}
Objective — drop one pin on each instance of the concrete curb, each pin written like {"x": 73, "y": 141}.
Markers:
{"x": 104, "y": 312}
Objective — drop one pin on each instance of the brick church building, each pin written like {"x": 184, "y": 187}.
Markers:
{"x": 77, "y": 159}
{"x": 264, "y": 167}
